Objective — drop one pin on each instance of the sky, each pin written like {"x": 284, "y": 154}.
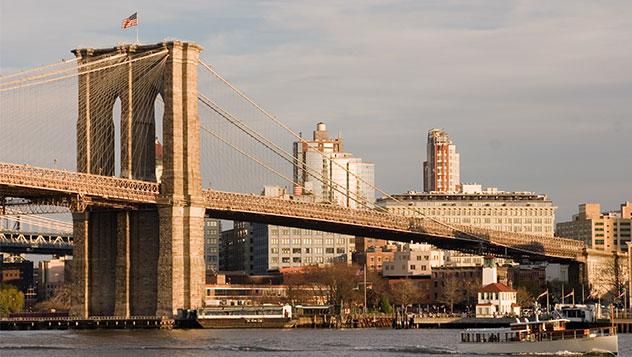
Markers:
{"x": 537, "y": 95}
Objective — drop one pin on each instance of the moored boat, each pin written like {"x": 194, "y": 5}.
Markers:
{"x": 266, "y": 316}
{"x": 539, "y": 337}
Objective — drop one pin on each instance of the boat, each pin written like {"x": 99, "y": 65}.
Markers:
{"x": 265, "y": 316}
{"x": 539, "y": 337}
{"x": 579, "y": 313}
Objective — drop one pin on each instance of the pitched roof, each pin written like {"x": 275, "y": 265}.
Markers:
{"x": 496, "y": 288}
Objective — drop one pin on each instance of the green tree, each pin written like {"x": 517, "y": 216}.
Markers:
{"x": 11, "y": 299}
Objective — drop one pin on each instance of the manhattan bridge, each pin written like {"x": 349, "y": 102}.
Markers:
{"x": 137, "y": 240}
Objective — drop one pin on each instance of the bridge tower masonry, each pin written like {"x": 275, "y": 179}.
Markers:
{"x": 141, "y": 260}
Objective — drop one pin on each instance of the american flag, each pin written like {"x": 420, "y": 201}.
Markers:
{"x": 130, "y": 21}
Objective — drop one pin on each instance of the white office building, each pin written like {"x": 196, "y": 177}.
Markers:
{"x": 329, "y": 174}
{"x": 413, "y": 260}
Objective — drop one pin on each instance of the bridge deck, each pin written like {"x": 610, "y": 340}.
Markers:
{"x": 26, "y": 181}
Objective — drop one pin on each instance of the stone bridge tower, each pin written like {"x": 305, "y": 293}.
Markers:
{"x": 139, "y": 260}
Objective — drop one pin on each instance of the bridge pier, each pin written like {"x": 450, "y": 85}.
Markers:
{"x": 123, "y": 264}
{"x": 80, "y": 265}
{"x": 148, "y": 260}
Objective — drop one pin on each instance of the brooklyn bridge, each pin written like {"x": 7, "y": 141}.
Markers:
{"x": 137, "y": 237}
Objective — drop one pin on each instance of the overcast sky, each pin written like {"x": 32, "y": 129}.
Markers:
{"x": 537, "y": 95}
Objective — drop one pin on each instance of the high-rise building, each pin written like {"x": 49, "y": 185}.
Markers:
{"x": 441, "y": 169}
{"x": 212, "y": 233}
{"x": 609, "y": 231}
{"x": 329, "y": 174}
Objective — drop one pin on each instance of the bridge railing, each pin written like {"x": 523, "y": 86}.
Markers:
{"x": 78, "y": 183}
{"x": 551, "y": 246}
{"x": 229, "y": 201}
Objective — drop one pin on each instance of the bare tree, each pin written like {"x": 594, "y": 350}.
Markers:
{"x": 59, "y": 301}
{"x": 612, "y": 279}
{"x": 405, "y": 293}
{"x": 453, "y": 292}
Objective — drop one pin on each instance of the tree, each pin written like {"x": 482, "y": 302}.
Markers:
{"x": 524, "y": 298}
{"x": 404, "y": 293}
{"x": 11, "y": 299}
{"x": 338, "y": 282}
{"x": 453, "y": 292}
{"x": 612, "y": 276}
{"x": 61, "y": 300}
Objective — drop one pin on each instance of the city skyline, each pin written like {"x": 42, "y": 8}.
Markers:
{"x": 483, "y": 77}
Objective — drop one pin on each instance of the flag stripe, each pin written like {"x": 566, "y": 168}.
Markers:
{"x": 130, "y": 21}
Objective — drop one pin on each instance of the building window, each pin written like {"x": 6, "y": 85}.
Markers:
{"x": 285, "y": 259}
{"x": 329, "y": 250}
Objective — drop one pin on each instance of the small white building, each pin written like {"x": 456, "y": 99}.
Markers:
{"x": 496, "y": 299}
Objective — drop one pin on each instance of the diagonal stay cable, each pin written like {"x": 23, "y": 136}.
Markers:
{"x": 266, "y": 142}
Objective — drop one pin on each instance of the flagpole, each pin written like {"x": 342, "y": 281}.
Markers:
{"x": 137, "y": 26}
{"x": 563, "y": 294}
{"x": 547, "y": 301}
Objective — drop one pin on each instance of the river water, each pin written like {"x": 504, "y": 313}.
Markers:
{"x": 294, "y": 342}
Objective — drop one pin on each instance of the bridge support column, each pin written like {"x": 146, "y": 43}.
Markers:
{"x": 123, "y": 267}
{"x": 181, "y": 269}
{"x": 80, "y": 265}
{"x": 181, "y": 259}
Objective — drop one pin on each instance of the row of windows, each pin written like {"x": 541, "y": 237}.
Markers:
{"x": 528, "y": 212}
{"x": 302, "y": 260}
{"x": 311, "y": 241}
{"x": 317, "y": 250}
{"x": 299, "y": 232}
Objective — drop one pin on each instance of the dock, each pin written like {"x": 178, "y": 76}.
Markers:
{"x": 95, "y": 322}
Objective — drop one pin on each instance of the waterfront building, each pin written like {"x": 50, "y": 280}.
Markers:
{"x": 373, "y": 258}
{"x": 234, "y": 250}
{"x": 413, "y": 260}
{"x": 495, "y": 298}
{"x": 539, "y": 274}
{"x": 275, "y": 247}
{"x": 52, "y": 274}
{"x": 363, "y": 244}
{"x": 17, "y": 271}
{"x": 261, "y": 248}
{"x": 212, "y": 237}
{"x": 441, "y": 170}
{"x": 222, "y": 294}
{"x": 609, "y": 231}
{"x": 519, "y": 212}
{"x": 343, "y": 179}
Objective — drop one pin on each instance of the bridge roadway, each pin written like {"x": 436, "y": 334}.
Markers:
{"x": 35, "y": 243}
{"x": 72, "y": 188}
